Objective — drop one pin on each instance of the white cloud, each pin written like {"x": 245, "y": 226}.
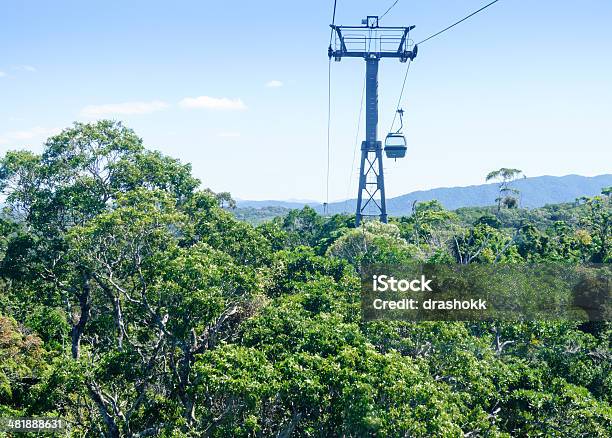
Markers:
{"x": 228, "y": 134}
{"x": 123, "y": 109}
{"x": 215, "y": 103}
{"x": 274, "y": 84}
{"x": 2, "y": 74}
{"x": 35, "y": 134}
{"x": 25, "y": 67}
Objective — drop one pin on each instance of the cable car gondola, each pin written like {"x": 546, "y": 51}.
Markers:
{"x": 395, "y": 142}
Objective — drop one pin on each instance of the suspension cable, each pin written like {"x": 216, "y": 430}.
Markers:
{"x": 399, "y": 100}
{"x": 456, "y": 23}
{"x": 329, "y": 113}
{"x": 427, "y": 39}
{"x": 331, "y": 32}
{"x": 328, "y": 134}
{"x": 388, "y": 9}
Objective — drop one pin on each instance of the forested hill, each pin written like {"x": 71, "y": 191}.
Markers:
{"x": 535, "y": 192}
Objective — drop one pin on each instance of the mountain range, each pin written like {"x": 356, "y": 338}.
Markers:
{"x": 534, "y": 192}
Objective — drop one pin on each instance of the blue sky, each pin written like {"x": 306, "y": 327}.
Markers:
{"x": 239, "y": 88}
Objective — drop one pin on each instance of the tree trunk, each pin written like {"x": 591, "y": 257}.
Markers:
{"x": 85, "y": 309}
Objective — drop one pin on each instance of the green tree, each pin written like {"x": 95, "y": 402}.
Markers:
{"x": 21, "y": 361}
{"x": 373, "y": 242}
{"x": 508, "y": 195}
{"x": 597, "y": 224}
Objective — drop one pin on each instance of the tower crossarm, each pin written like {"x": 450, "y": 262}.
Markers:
{"x": 372, "y": 41}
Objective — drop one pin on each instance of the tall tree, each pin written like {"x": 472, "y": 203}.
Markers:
{"x": 508, "y": 195}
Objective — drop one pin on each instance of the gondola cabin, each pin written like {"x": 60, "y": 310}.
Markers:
{"x": 395, "y": 146}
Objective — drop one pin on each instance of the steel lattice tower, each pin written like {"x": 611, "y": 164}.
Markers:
{"x": 372, "y": 43}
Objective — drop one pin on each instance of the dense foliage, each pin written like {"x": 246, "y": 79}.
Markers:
{"x": 134, "y": 304}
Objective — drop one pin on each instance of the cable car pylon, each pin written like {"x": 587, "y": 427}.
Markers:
{"x": 372, "y": 43}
